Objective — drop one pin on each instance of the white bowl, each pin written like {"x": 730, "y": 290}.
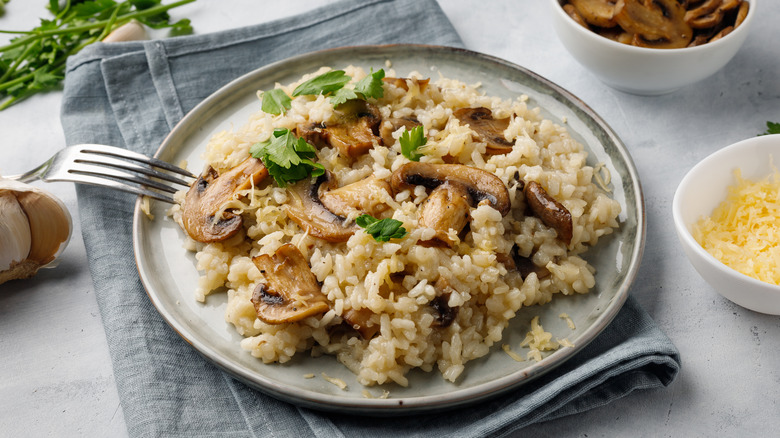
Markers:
{"x": 642, "y": 70}
{"x": 701, "y": 191}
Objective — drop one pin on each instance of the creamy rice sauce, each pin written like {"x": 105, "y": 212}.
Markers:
{"x": 401, "y": 286}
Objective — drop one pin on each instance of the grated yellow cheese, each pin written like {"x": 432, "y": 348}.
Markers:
{"x": 744, "y": 230}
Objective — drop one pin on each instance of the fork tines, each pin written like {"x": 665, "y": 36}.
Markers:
{"x": 128, "y": 171}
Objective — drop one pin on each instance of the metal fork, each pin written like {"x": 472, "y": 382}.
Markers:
{"x": 112, "y": 167}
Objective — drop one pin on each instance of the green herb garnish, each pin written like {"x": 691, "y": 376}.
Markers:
{"x": 287, "y": 158}
{"x": 772, "y": 128}
{"x": 34, "y": 61}
{"x": 324, "y": 84}
{"x": 411, "y": 142}
{"x": 332, "y": 84}
{"x": 381, "y": 230}
{"x": 276, "y": 101}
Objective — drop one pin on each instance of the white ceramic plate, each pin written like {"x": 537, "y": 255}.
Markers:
{"x": 169, "y": 275}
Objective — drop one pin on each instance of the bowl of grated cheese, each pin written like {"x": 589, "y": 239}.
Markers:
{"x": 727, "y": 216}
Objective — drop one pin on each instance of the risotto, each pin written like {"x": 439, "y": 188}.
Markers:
{"x": 413, "y": 219}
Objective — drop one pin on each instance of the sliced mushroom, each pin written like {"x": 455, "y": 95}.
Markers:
{"x": 596, "y": 12}
{"x": 444, "y": 314}
{"x": 446, "y": 208}
{"x": 353, "y": 130}
{"x": 551, "y": 212}
{"x": 572, "y": 12}
{"x": 307, "y": 210}
{"x": 421, "y": 84}
{"x": 486, "y": 128}
{"x": 360, "y": 320}
{"x": 203, "y": 214}
{"x": 367, "y": 195}
{"x": 705, "y": 15}
{"x": 389, "y": 126}
{"x": 290, "y": 292}
{"x": 657, "y": 23}
{"x": 480, "y": 184}
{"x": 523, "y": 265}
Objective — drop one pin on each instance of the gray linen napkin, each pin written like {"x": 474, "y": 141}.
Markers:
{"x": 132, "y": 95}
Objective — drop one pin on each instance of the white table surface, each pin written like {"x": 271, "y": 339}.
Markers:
{"x": 55, "y": 371}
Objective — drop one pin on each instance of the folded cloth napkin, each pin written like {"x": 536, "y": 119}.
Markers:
{"x": 132, "y": 95}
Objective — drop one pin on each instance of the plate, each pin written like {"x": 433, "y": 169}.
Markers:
{"x": 168, "y": 271}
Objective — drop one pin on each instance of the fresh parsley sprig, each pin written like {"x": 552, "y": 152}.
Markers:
{"x": 771, "y": 128}
{"x": 411, "y": 142}
{"x": 331, "y": 84}
{"x": 34, "y": 61}
{"x": 287, "y": 158}
{"x": 381, "y": 230}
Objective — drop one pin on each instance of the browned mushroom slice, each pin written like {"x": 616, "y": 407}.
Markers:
{"x": 446, "y": 208}
{"x": 742, "y": 12}
{"x": 572, "y": 12}
{"x": 290, "y": 292}
{"x": 723, "y": 32}
{"x": 307, "y": 210}
{"x": 353, "y": 130}
{"x": 367, "y": 195}
{"x": 522, "y": 265}
{"x": 486, "y": 128}
{"x": 422, "y": 84}
{"x": 705, "y": 15}
{"x": 202, "y": 210}
{"x": 551, "y": 212}
{"x": 389, "y": 126}
{"x": 596, "y": 12}
{"x": 658, "y": 23}
{"x": 480, "y": 184}
{"x": 360, "y": 320}
{"x": 443, "y": 313}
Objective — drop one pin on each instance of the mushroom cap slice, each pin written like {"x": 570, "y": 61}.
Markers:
{"x": 446, "y": 208}
{"x": 307, "y": 210}
{"x": 353, "y": 130}
{"x": 367, "y": 195}
{"x": 596, "y": 12}
{"x": 658, "y": 23}
{"x": 290, "y": 292}
{"x": 551, "y": 212}
{"x": 486, "y": 128}
{"x": 360, "y": 320}
{"x": 203, "y": 214}
{"x": 480, "y": 184}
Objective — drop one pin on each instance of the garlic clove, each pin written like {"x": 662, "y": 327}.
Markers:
{"x": 15, "y": 240}
{"x": 133, "y": 30}
{"x": 35, "y": 228}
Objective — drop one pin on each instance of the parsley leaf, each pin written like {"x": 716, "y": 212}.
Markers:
{"x": 381, "y": 230}
{"x": 342, "y": 95}
{"x": 332, "y": 84}
{"x": 287, "y": 158}
{"x": 371, "y": 85}
{"x": 325, "y": 83}
{"x": 411, "y": 143}
{"x": 772, "y": 128}
{"x": 276, "y": 101}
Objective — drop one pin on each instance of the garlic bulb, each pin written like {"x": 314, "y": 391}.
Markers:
{"x": 35, "y": 227}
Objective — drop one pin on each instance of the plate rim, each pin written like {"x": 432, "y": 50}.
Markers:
{"x": 420, "y": 404}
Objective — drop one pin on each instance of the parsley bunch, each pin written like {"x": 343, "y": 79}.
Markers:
{"x": 287, "y": 158}
{"x": 331, "y": 84}
{"x": 34, "y": 61}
